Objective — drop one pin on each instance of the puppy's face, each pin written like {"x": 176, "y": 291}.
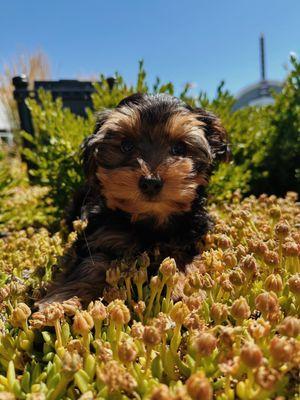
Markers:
{"x": 150, "y": 154}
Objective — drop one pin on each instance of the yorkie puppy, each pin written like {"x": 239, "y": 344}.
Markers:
{"x": 146, "y": 166}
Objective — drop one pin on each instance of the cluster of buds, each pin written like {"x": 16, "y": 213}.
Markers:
{"x": 227, "y": 328}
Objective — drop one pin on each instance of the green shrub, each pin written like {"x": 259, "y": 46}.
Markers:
{"x": 264, "y": 140}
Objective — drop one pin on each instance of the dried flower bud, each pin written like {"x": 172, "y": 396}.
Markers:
{"x": 118, "y": 312}
{"x": 230, "y": 260}
{"x": 290, "y": 249}
{"x": 199, "y": 387}
{"x": 267, "y": 377}
{"x": 97, "y": 310}
{"x": 267, "y": 302}
{"x": 294, "y": 284}
{"x": 204, "y": 344}
{"x": 168, "y": 267}
{"x": 259, "y": 328}
{"x": 38, "y": 320}
{"x": 154, "y": 283}
{"x": 161, "y": 392}
{"x": 127, "y": 351}
{"x": 71, "y": 362}
{"x": 103, "y": 351}
{"x": 19, "y": 315}
{"x": 113, "y": 276}
{"x": 83, "y": 323}
{"x": 137, "y": 330}
{"x": 71, "y": 306}
{"x": 273, "y": 283}
{"x": 116, "y": 378}
{"x": 140, "y": 276}
{"x": 241, "y": 251}
{"x": 151, "y": 336}
{"x": 144, "y": 260}
{"x": 224, "y": 242}
{"x": 290, "y": 326}
{"x": 219, "y": 312}
{"x": 75, "y": 345}
{"x": 53, "y": 312}
{"x": 251, "y": 355}
{"x": 281, "y": 349}
{"x": 139, "y": 307}
{"x": 282, "y": 230}
{"x": 4, "y": 293}
{"x": 271, "y": 258}
{"x": 79, "y": 225}
{"x": 179, "y": 312}
{"x": 248, "y": 264}
{"x": 237, "y": 277}
{"x": 275, "y": 212}
{"x": 240, "y": 309}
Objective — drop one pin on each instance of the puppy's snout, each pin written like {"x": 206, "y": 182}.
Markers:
{"x": 150, "y": 186}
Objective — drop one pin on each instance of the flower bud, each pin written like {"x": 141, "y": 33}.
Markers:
{"x": 251, "y": 355}
{"x": 161, "y": 392}
{"x": 275, "y": 212}
{"x": 168, "y": 267}
{"x": 144, "y": 260}
{"x": 113, "y": 276}
{"x": 127, "y": 352}
{"x": 219, "y": 312}
{"x": 259, "y": 328}
{"x": 72, "y": 305}
{"x": 267, "y": 302}
{"x": 240, "y": 309}
{"x": 281, "y": 349}
{"x": 179, "y": 312}
{"x": 282, "y": 230}
{"x": 137, "y": 330}
{"x": 273, "y": 283}
{"x": 151, "y": 336}
{"x": 140, "y": 276}
{"x": 290, "y": 249}
{"x": 294, "y": 284}
{"x": 118, "y": 312}
{"x": 71, "y": 362}
{"x": 224, "y": 242}
{"x": 271, "y": 258}
{"x": 19, "y": 315}
{"x": 248, "y": 264}
{"x": 237, "y": 277}
{"x": 290, "y": 326}
{"x": 83, "y": 323}
{"x": 204, "y": 344}
{"x": 97, "y": 310}
{"x": 267, "y": 377}
{"x": 199, "y": 387}
{"x": 230, "y": 260}
{"x": 53, "y": 312}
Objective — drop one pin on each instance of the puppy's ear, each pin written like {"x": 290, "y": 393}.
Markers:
{"x": 89, "y": 147}
{"x": 216, "y": 135}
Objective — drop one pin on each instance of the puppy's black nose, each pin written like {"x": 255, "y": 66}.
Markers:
{"x": 150, "y": 186}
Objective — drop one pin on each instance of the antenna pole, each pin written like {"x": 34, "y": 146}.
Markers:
{"x": 262, "y": 57}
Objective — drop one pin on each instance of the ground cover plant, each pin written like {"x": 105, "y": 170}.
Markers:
{"x": 228, "y": 329}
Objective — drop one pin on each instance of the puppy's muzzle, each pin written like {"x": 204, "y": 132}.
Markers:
{"x": 150, "y": 186}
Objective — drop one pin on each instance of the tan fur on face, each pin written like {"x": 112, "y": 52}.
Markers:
{"x": 124, "y": 120}
{"x": 182, "y": 124}
{"x": 121, "y": 190}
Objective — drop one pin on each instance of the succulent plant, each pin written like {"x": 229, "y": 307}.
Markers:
{"x": 233, "y": 331}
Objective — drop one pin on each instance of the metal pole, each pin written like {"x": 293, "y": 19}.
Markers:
{"x": 262, "y": 57}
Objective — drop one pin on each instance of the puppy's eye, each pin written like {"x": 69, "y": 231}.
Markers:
{"x": 178, "y": 149}
{"x": 127, "y": 145}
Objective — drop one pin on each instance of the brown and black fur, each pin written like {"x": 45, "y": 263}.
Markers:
{"x": 172, "y": 144}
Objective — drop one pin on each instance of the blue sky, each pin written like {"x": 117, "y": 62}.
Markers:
{"x": 183, "y": 41}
